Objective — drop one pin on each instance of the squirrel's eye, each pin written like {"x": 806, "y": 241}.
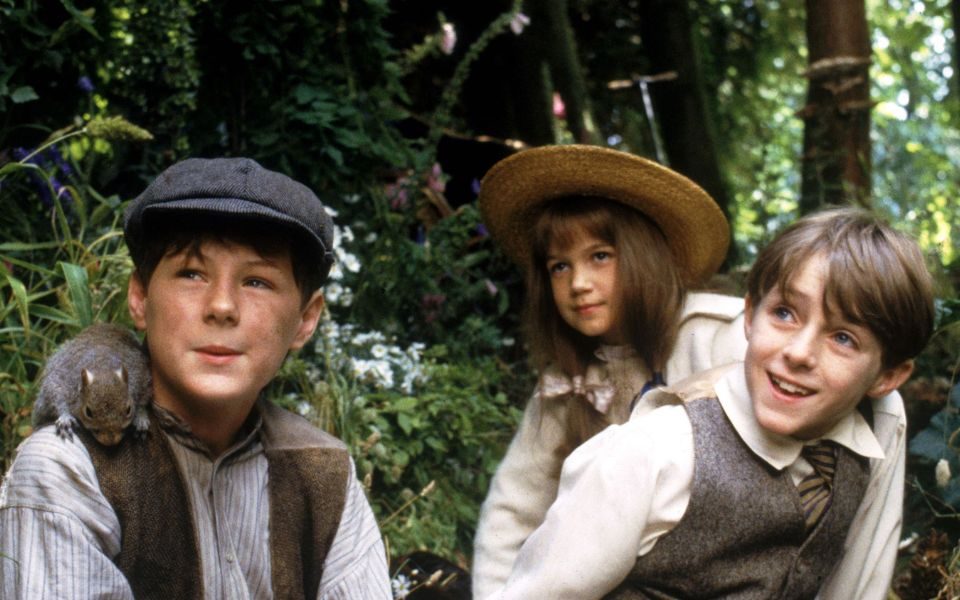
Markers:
{"x": 129, "y": 410}
{"x": 87, "y": 412}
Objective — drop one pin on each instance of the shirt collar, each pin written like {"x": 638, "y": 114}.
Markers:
{"x": 780, "y": 451}
{"x": 179, "y": 430}
{"x": 620, "y": 353}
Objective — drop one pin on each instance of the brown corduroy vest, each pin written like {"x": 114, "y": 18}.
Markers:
{"x": 159, "y": 554}
{"x": 742, "y": 535}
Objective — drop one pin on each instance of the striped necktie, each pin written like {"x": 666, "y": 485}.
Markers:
{"x": 816, "y": 489}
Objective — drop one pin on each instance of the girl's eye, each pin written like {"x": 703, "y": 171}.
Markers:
{"x": 602, "y": 255}
{"x": 556, "y": 267}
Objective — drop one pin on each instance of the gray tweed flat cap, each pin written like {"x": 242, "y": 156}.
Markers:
{"x": 237, "y": 187}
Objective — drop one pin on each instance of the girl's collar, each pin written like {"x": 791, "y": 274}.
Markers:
{"x": 614, "y": 353}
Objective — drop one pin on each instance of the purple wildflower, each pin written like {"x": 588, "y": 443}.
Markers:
{"x": 85, "y": 85}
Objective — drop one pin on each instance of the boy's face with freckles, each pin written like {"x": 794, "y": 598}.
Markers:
{"x": 808, "y": 367}
{"x": 219, "y": 323}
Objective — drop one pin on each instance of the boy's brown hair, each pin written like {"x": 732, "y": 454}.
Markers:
{"x": 171, "y": 234}
{"x": 649, "y": 279}
{"x": 876, "y": 276}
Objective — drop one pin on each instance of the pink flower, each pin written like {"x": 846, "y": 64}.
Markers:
{"x": 448, "y": 38}
{"x": 559, "y": 108}
{"x": 397, "y": 193}
{"x": 435, "y": 180}
{"x": 518, "y": 22}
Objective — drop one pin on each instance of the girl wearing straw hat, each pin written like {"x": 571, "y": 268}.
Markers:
{"x": 609, "y": 243}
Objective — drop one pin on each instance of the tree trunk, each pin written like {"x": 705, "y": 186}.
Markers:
{"x": 566, "y": 73}
{"x": 836, "y": 137}
{"x": 680, "y": 104}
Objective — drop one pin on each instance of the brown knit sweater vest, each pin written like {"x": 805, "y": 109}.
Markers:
{"x": 159, "y": 554}
{"x": 742, "y": 535}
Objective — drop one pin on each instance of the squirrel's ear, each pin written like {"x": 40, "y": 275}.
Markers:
{"x": 86, "y": 377}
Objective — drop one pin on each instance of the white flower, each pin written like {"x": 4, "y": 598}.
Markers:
{"x": 942, "y": 472}
{"x": 332, "y": 292}
{"x": 401, "y": 586}
{"x": 351, "y": 198}
{"x": 509, "y": 341}
{"x": 346, "y": 235}
{"x": 518, "y": 22}
{"x": 448, "y": 38}
{"x": 351, "y": 263}
{"x": 378, "y": 351}
{"x": 371, "y": 237}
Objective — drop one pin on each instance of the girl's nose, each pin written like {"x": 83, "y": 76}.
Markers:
{"x": 580, "y": 280}
{"x": 221, "y": 303}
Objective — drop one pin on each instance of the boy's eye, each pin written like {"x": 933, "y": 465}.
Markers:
{"x": 256, "y": 282}
{"x": 188, "y": 274}
{"x": 783, "y": 313}
{"x": 845, "y": 339}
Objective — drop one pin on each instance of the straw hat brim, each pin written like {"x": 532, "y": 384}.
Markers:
{"x": 515, "y": 189}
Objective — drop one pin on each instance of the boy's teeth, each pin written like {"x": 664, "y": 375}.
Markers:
{"x": 790, "y": 388}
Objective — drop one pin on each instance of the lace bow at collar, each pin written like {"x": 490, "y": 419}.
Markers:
{"x": 600, "y": 395}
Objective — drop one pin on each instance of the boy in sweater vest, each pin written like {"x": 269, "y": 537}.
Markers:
{"x": 778, "y": 477}
{"x": 227, "y": 496}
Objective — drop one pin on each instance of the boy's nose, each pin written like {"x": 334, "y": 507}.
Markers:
{"x": 801, "y": 349}
{"x": 221, "y": 304}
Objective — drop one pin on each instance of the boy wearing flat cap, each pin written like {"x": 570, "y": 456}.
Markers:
{"x": 227, "y": 496}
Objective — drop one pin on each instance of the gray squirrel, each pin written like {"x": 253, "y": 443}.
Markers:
{"x": 100, "y": 378}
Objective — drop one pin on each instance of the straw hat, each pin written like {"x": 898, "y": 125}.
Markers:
{"x": 515, "y": 189}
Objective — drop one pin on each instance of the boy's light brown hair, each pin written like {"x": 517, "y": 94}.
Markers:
{"x": 876, "y": 276}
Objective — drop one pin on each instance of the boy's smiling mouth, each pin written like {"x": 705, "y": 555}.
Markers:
{"x": 788, "y": 388}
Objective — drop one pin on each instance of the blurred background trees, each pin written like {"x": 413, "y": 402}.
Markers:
{"x": 393, "y": 112}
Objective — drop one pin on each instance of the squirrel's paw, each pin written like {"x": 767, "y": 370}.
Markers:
{"x": 65, "y": 425}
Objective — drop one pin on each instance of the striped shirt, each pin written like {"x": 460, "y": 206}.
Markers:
{"x": 58, "y": 533}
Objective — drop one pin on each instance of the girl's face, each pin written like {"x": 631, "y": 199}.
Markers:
{"x": 586, "y": 287}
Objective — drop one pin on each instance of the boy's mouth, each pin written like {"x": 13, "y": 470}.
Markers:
{"x": 788, "y": 388}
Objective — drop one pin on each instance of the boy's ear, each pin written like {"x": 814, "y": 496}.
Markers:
{"x": 137, "y": 301}
{"x": 890, "y": 379}
{"x": 309, "y": 319}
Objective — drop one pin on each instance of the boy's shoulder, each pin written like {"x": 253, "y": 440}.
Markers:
{"x": 48, "y": 471}
{"x": 285, "y": 430}
{"x": 710, "y": 306}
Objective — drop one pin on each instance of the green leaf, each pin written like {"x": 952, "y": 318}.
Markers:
{"x": 406, "y": 403}
{"x": 79, "y": 291}
{"x": 23, "y": 94}
{"x": 405, "y": 422}
{"x": 20, "y": 298}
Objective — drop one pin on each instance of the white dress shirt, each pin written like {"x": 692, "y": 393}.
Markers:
{"x": 629, "y": 485}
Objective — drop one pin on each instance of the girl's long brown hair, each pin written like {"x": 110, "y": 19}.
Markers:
{"x": 651, "y": 284}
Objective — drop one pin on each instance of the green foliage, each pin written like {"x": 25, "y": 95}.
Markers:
{"x": 49, "y": 290}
